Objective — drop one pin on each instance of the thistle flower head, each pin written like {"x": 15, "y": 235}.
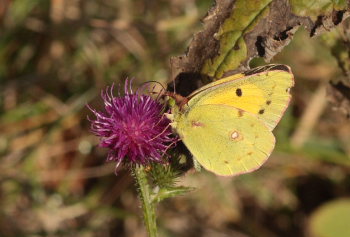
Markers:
{"x": 132, "y": 126}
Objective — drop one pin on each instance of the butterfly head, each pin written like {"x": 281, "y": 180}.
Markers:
{"x": 176, "y": 100}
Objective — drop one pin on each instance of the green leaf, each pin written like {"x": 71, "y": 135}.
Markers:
{"x": 164, "y": 193}
{"x": 331, "y": 220}
{"x": 313, "y": 9}
{"x": 245, "y": 15}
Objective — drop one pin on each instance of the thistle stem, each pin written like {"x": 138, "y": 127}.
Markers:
{"x": 148, "y": 206}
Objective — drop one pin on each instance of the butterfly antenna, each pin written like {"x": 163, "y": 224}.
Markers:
{"x": 152, "y": 91}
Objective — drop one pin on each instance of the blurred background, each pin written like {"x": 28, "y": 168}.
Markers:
{"x": 56, "y": 56}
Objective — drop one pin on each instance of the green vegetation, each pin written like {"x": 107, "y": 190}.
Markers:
{"x": 56, "y": 56}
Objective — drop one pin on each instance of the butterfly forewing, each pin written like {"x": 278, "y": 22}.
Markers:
{"x": 265, "y": 93}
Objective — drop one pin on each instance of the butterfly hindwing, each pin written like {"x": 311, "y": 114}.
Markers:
{"x": 225, "y": 140}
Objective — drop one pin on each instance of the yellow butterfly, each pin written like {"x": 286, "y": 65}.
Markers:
{"x": 227, "y": 125}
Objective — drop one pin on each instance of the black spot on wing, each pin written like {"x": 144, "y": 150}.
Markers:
{"x": 239, "y": 92}
{"x": 268, "y": 102}
{"x": 261, "y": 111}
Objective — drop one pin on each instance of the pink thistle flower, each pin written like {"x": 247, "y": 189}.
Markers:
{"x": 133, "y": 127}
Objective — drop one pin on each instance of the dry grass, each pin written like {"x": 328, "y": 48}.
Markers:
{"x": 56, "y": 55}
